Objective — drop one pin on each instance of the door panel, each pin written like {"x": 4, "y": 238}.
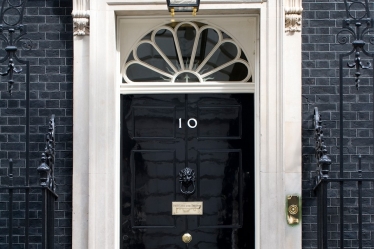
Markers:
{"x": 162, "y": 118}
{"x": 212, "y": 134}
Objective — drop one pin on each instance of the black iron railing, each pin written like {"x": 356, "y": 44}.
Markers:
{"x": 343, "y": 202}
{"x": 30, "y": 208}
{"x": 344, "y": 195}
{"x": 26, "y": 205}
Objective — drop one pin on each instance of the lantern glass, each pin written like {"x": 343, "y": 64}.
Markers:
{"x": 183, "y": 5}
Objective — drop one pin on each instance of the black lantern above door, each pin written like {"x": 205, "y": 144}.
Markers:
{"x": 183, "y": 6}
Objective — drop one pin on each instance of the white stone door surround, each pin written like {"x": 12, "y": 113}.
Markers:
{"x": 96, "y": 115}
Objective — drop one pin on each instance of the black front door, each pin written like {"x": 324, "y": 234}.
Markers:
{"x": 211, "y": 136}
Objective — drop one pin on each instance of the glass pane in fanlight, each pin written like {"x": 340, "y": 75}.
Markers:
{"x": 234, "y": 72}
{"x": 130, "y": 58}
{"x": 165, "y": 41}
{"x": 225, "y": 36}
{"x": 186, "y": 37}
{"x": 139, "y": 73}
{"x": 224, "y": 54}
{"x": 147, "y": 36}
{"x": 148, "y": 54}
{"x": 207, "y": 40}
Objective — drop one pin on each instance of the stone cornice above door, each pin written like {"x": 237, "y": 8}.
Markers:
{"x": 81, "y": 17}
{"x": 293, "y": 12}
{"x": 158, "y": 2}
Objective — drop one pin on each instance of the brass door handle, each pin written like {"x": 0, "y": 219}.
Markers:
{"x": 187, "y": 238}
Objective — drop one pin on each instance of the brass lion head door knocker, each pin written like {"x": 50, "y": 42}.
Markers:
{"x": 187, "y": 180}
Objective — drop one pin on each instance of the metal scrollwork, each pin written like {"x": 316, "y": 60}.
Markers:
{"x": 50, "y": 150}
{"x": 358, "y": 25}
{"x": 48, "y": 158}
{"x": 358, "y": 65}
{"x": 187, "y": 179}
{"x": 357, "y": 9}
{"x": 323, "y": 161}
{"x": 344, "y": 35}
{"x": 12, "y": 32}
{"x": 26, "y": 43}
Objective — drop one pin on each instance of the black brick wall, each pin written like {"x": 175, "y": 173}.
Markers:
{"x": 322, "y": 20}
{"x": 50, "y": 30}
{"x": 49, "y": 26}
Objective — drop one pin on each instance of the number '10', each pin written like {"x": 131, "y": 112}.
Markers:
{"x": 194, "y": 121}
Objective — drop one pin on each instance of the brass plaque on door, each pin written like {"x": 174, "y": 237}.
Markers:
{"x": 187, "y": 208}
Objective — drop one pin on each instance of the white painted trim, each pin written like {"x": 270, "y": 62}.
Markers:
{"x": 247, "y": 41}
{"x": 173, "y": 71}
{"x": 187, "y": 88}
{"x": 80, "y": 142}
{"x": 96, "y": 133}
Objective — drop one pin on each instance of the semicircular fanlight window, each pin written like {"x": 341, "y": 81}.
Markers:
{"x": 186, "y": 52}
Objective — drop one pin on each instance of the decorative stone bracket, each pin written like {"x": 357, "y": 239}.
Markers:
{"x": 293, "y": 15}
{"x": 293, "y": 21}
{"x": 81, "y": 17}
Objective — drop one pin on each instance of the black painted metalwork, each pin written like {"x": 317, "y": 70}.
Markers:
{"x": 46, "y": 168}
{"x": 337, "y": 188}
{"x": 323, "y": 161}
{"x": 323, "y": 186}
{"x": 46, "y": 189}
{"x": 186, "y": 179}
{"x": 12, "y": 32}
{"x": 322, "y": 176}
{"x": 12, "y": 36}
{"x": 48, "y": 184}
{"x": 357, "y": 27}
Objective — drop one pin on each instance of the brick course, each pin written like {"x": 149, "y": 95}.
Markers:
{"x": 50, "y": 30}
{"x": 322, "y": 20}
{"x": 49, "y": 26}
